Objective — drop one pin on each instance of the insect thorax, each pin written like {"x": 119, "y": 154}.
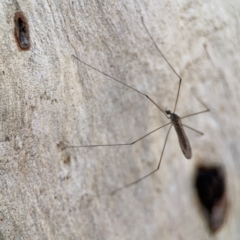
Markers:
{"x": 173, "y": 116}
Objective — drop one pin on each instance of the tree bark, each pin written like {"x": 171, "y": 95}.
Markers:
{"x": 50, "y": 100}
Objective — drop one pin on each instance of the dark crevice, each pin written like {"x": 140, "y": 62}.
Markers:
{"x": 21, "y": 31}
{"x": 210, "y": 184}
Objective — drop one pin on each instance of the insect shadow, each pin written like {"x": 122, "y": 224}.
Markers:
{"x": 175, "y": 120}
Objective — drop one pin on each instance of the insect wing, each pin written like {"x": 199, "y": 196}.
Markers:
{"x": 183, "y": 140}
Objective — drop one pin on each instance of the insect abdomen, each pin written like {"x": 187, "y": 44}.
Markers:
{"x": 182, "y": 138}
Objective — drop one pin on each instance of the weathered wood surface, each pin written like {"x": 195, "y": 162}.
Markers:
{"x": 49, "y": 100}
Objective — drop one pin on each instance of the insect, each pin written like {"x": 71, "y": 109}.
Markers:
{"x": 175, "y": 120}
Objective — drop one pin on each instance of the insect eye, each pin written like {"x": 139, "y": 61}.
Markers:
{"x": 168, "y": 112}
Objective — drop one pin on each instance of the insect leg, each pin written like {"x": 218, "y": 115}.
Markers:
{"x": 179, "y": 86}
{"x": 193, "y": 129}
{"x": 117, "y": 144}
{"x": 158, "y": 48}
{"x": 122, "y": 83}
{"x": 154, "y": 43}
{"x": 140, "y": 179}
{"x": 189, "y": 115}
{"x": 207, "y": 109}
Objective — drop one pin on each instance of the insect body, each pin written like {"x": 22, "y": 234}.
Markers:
{"x": 175, "y": 120}
{"x": 182, "y": 137}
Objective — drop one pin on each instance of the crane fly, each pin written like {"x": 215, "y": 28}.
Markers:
{"x": 175, "y": 120}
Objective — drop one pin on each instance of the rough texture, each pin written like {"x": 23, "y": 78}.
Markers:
{"x": 50, "y": 100}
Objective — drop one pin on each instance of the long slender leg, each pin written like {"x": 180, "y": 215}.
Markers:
{"x": 207, "y": 109}
{"x": 118, "y": 144}
{"x": 189, "y": 115}
{"x": 140, "y": 179}
{"x": 201, "y": 133}
{"x": 199, "y": 99}
{"x": 180, "y": 79}
{"x": 145, "y": 95}
{"x": 158, "y": 48}
{"x": 179, "y": 86}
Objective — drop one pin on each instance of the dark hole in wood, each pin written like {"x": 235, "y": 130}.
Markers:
{"x": 211, "y": 190}
{"x": 21, "y": 31}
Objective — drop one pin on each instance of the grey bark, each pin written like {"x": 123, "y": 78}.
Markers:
{"x": 50, "y": 100}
